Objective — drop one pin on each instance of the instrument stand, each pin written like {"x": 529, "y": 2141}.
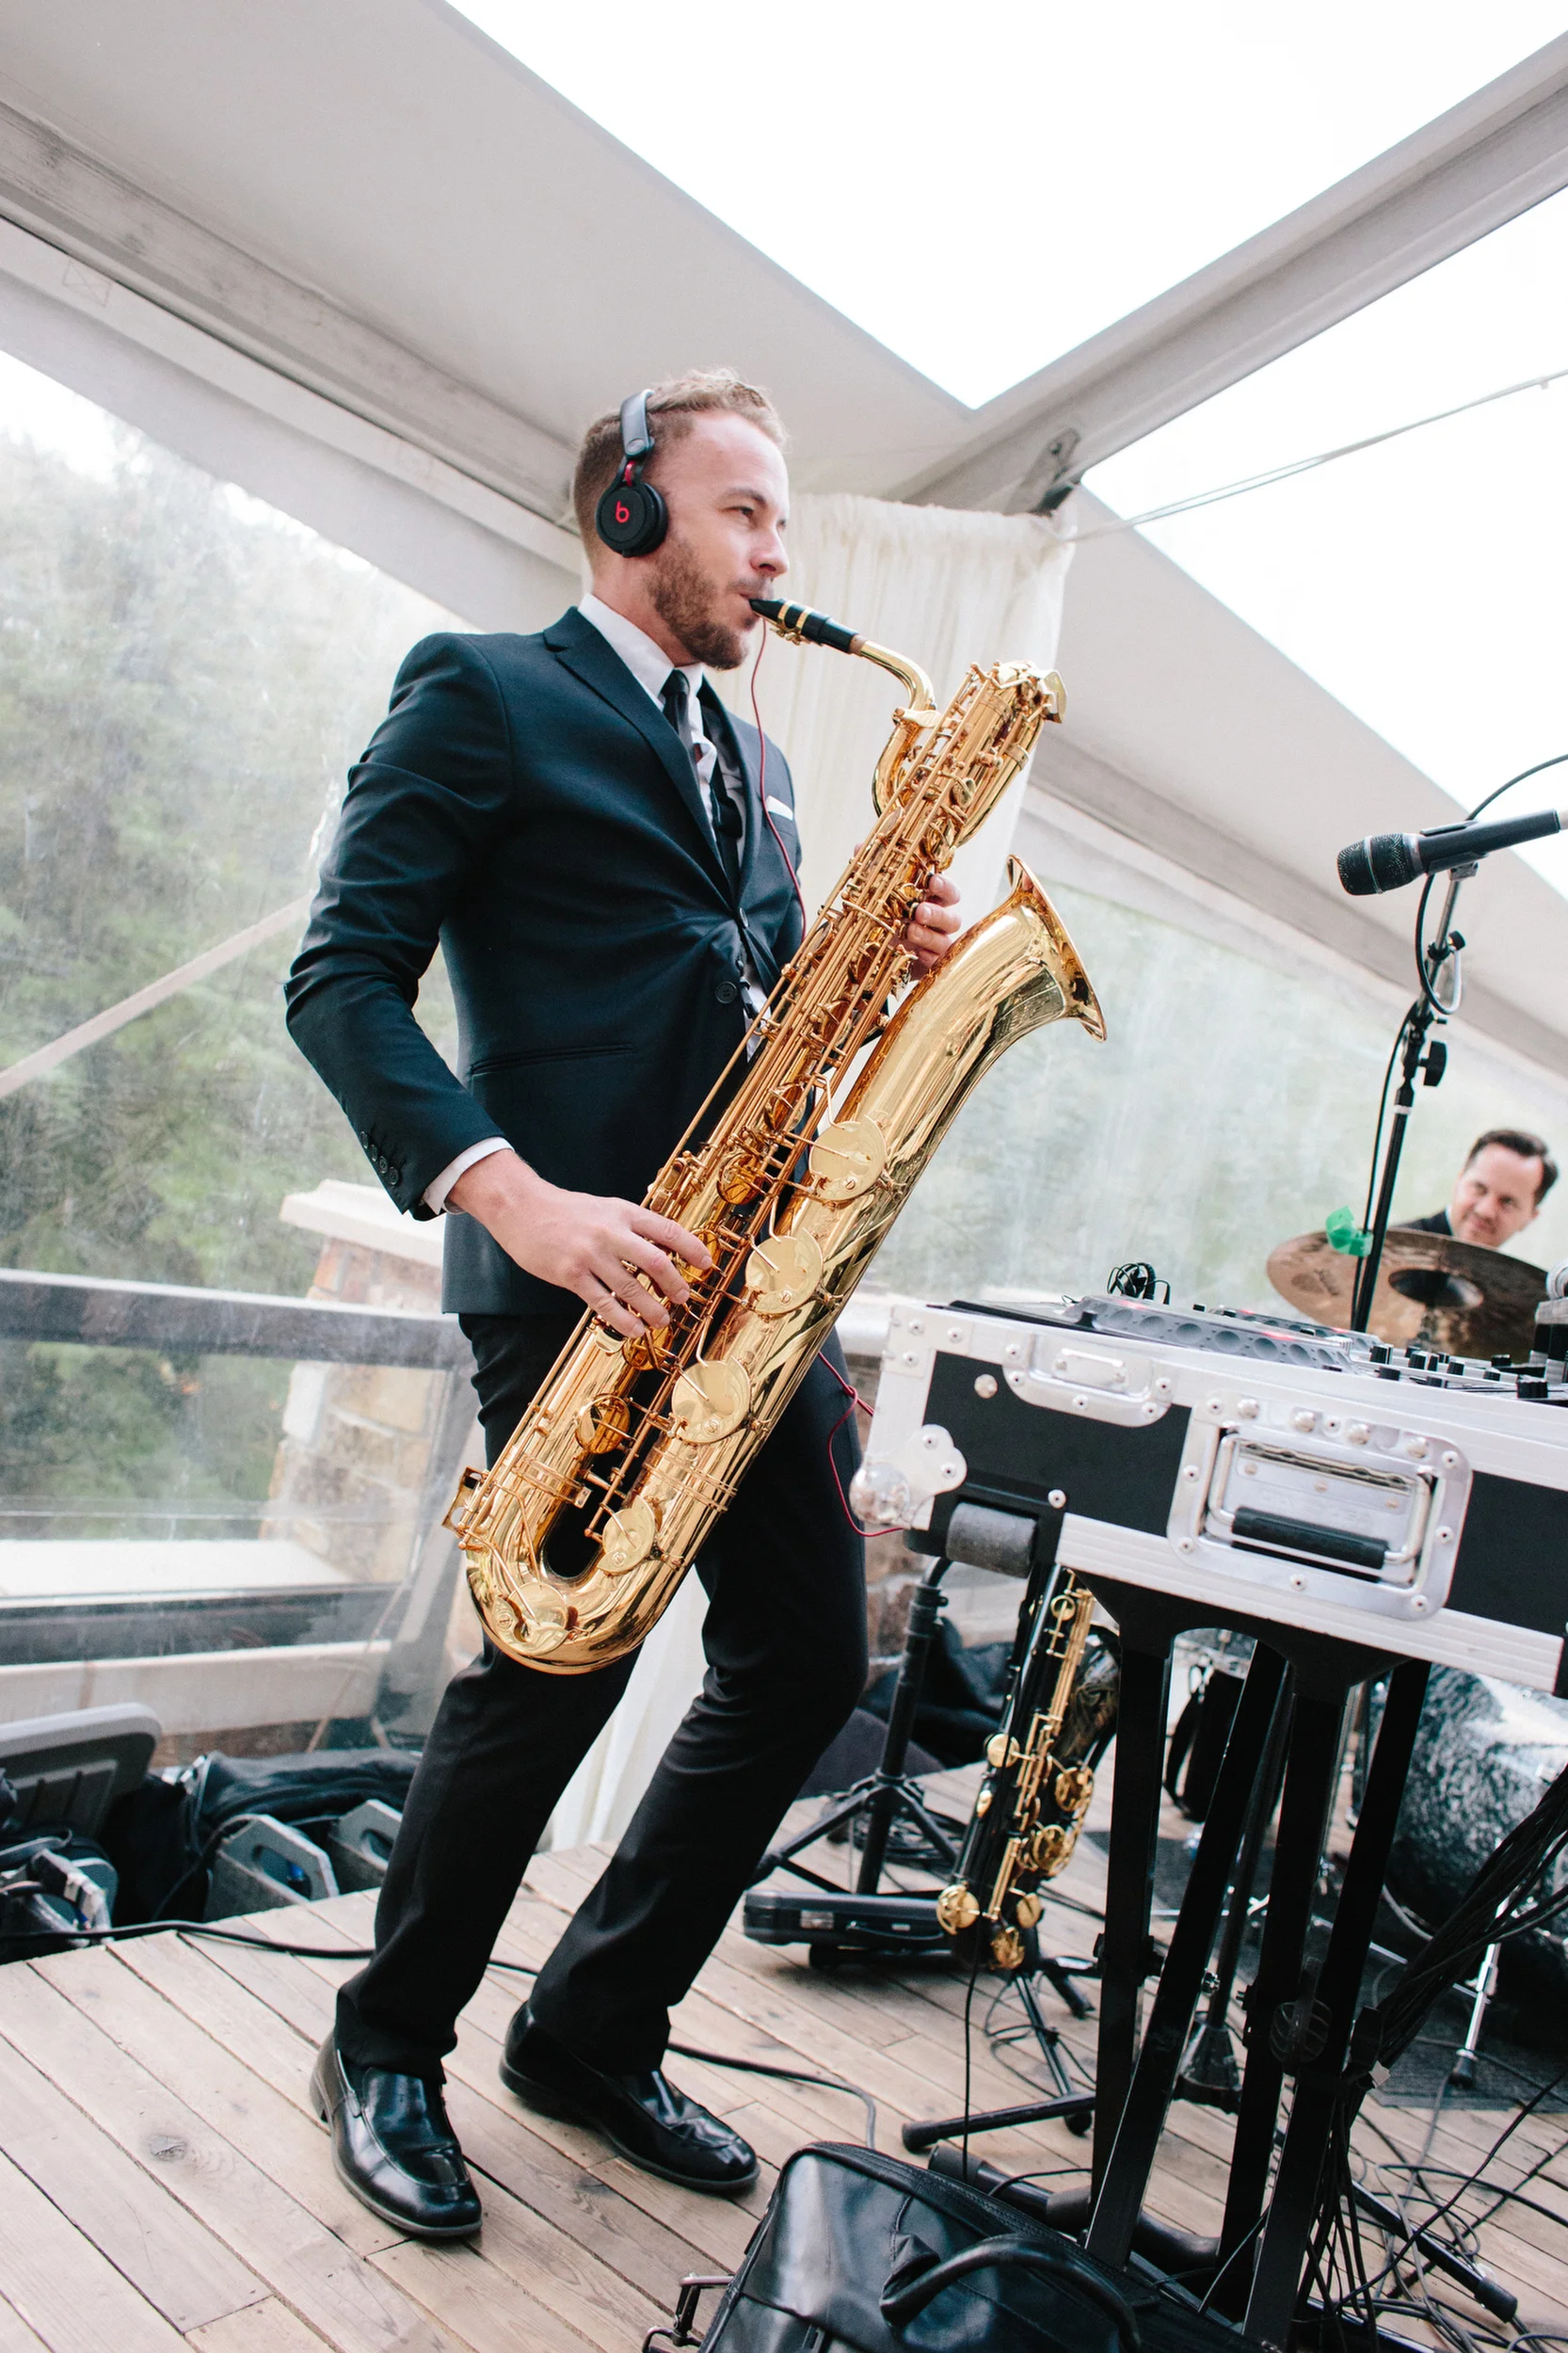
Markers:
{"x": 1210, "y": 2075}
{"x": 1481, "y": 1988}
{"x": 1297, "y": 2026}
{"x": 888, "y": 1795}
{"x": 1441, "y": 962}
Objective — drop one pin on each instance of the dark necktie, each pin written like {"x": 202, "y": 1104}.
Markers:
{"x": 724, "y": 816}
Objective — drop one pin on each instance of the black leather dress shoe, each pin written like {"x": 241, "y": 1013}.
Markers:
{"x": 394, "y": 2148}
{"x": 641, "y": 2114}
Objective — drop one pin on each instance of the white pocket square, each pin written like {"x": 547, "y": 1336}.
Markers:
{"x": 781, "y": 808}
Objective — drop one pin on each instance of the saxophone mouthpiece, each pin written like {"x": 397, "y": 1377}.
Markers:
{"x": 797, "y": 621}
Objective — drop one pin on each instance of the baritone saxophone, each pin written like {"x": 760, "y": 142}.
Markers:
{"x": 791, "y": 1174}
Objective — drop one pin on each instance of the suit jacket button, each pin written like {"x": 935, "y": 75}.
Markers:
{"x": 725, "y": 992}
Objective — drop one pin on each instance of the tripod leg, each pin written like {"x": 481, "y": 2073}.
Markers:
{"x": 1276, "y": 2282}
{"x": 1121, "y": 2191}
{"x": 1314, "y": 1749}
{"x": 925, "y": 1604}
{"x": 1130, "y": 1883}
{"x": 1062, "y": 1985}
{"x": 1045, "y": 2033}
{"x": 1463, "y": 2073}
{"x": 1210, "y": 2048}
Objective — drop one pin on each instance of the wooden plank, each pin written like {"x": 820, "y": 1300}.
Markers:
{"x": 573, "y": 2201}
{"x": 268, "y": 2328}
{"x": 713, "y": 2231}
{"x": 61, "y": 2287}
{"x": 550, "y": 2271}
{"x": 280, "y": 2141}
{"x": 189, "y": 2276}
{"x": 15, "y": 2335}
{"x": 275, "y": 2235}
{"x": 479, "y": 2303}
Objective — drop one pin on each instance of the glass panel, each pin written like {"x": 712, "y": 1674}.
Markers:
{"x": 185, "y": 675}
{"x": 1421, "y": 582}
{"x": 1231, "y": 1108}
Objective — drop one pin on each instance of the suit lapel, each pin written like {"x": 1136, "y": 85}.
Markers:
{"x": 591, "y": 658}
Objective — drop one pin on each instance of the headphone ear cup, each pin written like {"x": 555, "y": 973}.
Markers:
{"x": 631, "y": 519}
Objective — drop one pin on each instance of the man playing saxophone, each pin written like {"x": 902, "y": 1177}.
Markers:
{"x": 582, "y": 826}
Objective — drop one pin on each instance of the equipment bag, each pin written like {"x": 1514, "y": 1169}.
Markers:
{"x": 861, "y": 2254}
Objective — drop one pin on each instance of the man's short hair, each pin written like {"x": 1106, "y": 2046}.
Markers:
{"x": 671, "y": 407}
{"x": 1529, "y": 1147}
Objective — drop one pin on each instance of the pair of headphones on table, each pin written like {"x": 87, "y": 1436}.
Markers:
{"x": 631, "y": 519}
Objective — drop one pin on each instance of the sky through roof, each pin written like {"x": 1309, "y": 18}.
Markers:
{"x": 983, "y": 187}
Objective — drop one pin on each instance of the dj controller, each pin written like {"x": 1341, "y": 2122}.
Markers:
{"x": 1401, "y": 1498}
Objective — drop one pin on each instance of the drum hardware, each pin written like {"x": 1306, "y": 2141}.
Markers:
{"x": 833, "y": 1922}
{"x": 1433, "y": 1294}
{"x": 1481, "y": 1988}
{"x": 1438, "y": 969}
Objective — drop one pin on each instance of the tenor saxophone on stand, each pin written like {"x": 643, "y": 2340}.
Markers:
{"x": 575, "y": 1540}
{"x": 1057, "y": 1721}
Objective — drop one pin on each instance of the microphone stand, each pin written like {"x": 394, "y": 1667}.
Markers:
{"x": 1439, "y": 967}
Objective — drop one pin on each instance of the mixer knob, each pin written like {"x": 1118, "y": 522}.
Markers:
{"x": 1533, "y": 1384}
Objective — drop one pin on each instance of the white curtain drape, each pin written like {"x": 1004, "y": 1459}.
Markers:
{"x": 947, "y": 589}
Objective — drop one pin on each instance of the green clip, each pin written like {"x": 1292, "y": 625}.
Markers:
{"x": 1345, "y": 1235}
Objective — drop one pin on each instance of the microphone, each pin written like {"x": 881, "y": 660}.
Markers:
{"x": 1387, "y": 861}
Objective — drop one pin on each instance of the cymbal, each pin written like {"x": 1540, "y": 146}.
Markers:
{"x": 1433, "y": 1292}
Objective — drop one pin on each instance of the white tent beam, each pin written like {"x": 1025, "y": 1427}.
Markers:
{"x": 96, "y": 216}
{"x": 1500, "y": 151}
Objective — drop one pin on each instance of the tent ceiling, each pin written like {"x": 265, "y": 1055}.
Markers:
{"x": 379, "y": 200}
{"x": 374, "y": 209}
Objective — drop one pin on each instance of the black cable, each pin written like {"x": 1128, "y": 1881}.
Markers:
{"x": 347, "y": 1952}
{"x": 969, "y": 2005}
{"x": 189, "y": 1928}
{"x": 1556, "y": 760}
{"x": 748, "y": 2067}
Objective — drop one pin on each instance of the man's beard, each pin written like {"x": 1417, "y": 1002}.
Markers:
{"x": 684, "y": 598}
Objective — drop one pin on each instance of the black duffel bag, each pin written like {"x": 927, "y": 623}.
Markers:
{"x": 863, "y": 2253}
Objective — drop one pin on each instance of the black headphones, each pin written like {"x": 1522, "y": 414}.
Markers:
{"x": 631, "y": 519}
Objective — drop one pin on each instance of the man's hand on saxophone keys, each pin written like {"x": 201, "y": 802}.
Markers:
{"x": 583, "y": 1242}
{"x": 934, "y": 925}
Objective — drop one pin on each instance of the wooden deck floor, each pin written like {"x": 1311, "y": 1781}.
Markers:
{"x": 163, "y": 2179}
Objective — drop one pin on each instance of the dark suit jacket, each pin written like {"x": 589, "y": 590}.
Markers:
{"x": 525, "y": 803}
{"x": 1436, "y": 1224}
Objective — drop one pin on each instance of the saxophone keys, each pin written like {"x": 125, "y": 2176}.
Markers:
{"x": 783, "y": 1271}
{"x": 630, "y": 1536}
{"x": 957, "y": 1908}
{"x": 1027, "y": 1910}
{"x": 847, "y": 1159}
{"x": 741, "y": 1178}
{"x": 710, "y": 1400}
{"x": 597, "y": 1428}
{"x": 1007, "y": 1949}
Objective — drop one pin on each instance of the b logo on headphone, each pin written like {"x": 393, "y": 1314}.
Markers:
{"x": 630, "y": 517}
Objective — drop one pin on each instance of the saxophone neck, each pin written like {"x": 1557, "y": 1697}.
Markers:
{"x": 800, "y": 626}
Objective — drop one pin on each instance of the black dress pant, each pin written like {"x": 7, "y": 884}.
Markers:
{"x": 785, "y": 1640}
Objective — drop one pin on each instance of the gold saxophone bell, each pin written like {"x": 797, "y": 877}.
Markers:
{"x": 577, "y": 1536}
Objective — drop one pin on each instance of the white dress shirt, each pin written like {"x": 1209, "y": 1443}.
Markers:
{"x": 651, "y": 669}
